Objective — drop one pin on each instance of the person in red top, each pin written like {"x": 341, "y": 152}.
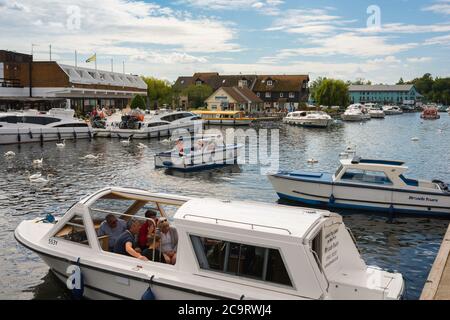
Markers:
{"x": 148, "y": 228}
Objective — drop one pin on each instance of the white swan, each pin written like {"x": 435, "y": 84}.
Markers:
{"x": 415, "y": 139}
{"x": 35, "y": 176}
{"x": 62, "y": 144}
{"x": 38, "y": 162}
{"x": 40, "y": 179}
{"x": 166, "y": 141}
{"x": 126, "y": 142}
{"x": 142, "y": 146}
{"x": 10, "y": 154}
{"x": 92, "y": 157}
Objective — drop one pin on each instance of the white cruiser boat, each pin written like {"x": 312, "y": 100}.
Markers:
{"x": 356, "y": 112}
{"x": 145, "y": 126}
{"x": 226, "y": 250}
{"x": 318, "y": 119}
{"x": 202, "y": 152}
{"x": 392, "y": 110}
{"x": 375, "y": 112}
{"x": 34, "y": 126}
{"x": 365, "y": 184}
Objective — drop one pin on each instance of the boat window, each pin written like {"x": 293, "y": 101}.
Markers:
{"x": 157, "y": 124}
{"x": 9, "y": 119}
{"x": 241, "y": 260}
{"x": 316, "y": 247}
{"x": 40, "y": 120}
{"x": 366, "y": 176}
{"x": 72, "y": 125}
{"x": 74, "y": 231}
{"x": 338, "y": 172}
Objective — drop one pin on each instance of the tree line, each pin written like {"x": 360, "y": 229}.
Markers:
{"x": 434, "y": 90}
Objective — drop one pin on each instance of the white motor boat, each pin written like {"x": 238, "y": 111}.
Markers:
{"x": 34, "y": 126}
{"x": 226, "y": 250}
{"x": 392, "y": 110}
{"x": 146, "y": 126}
{"x": 317, "y": 119}
{"x": 201, "y": 152}
{"x": 356, "y": 112}
{"x": 365, "y": 184}
{"x": 375, "y": 112}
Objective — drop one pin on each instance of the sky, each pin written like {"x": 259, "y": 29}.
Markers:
{"x": 377, "y": 40}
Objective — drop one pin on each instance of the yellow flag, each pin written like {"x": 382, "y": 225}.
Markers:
{"x": 91, "y": 59}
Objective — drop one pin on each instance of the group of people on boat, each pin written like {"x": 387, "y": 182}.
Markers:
{"x": 201, "y": 145}
{"x": 152, "y": 240}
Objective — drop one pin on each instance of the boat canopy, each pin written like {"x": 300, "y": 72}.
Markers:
{"x": 228, "y": 113}
{"x": 267, "y": 218}
{"x": 358, "y": 160}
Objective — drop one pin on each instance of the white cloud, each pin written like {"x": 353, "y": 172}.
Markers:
{"x": 155, "y": 57}
{"x": 419, "y": 59}
{"x": 111, "y": 24}
{"x": 441, "y": 40}
{"x": 441, "y": 7}
{"x": 267, "y": 7}
{"x": 405, "y": 28}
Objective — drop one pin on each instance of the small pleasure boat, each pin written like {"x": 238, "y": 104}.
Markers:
{"x": 318, "y": 119}
{"x": 375, "y": 112}
{"x": 365, "y": 184}
{"x": 356, "y": 112}
{"x": 34, "y": 126}
{"x": 226, "y": 250}
{"x": 225, "y": 118}
{"x": 201, "y": 152}
{"x": 430, "y": 113}
{"x": 392, "y": 110}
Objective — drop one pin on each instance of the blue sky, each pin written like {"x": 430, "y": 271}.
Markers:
{"x": 171, "y": 38}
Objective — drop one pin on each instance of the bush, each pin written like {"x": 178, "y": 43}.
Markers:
{"x": 138, "y": 102}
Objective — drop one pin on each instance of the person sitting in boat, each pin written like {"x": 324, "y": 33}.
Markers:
{"x": 169, "y": 242}
{"x": 180, "y": 147}
{"x": 112, "y": 227}
{"x": 126, "y": 243}
{"x": 148, "y": 229}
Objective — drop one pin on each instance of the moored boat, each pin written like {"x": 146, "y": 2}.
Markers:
{"x": 365, "y": 184}
{"x": 225, "y": 250}
{"x": 201, "y": 152}
{"x": 34, "y": 126}
{"x": 392, "y": 110}
{"x": 356, "y": 112}
{"x": 375, "y": 111}
{"x": 225, "y": 118}
{"x": 430, "y": 113}
{"x": 318, "y": 119}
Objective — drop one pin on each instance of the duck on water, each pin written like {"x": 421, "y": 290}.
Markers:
{"x": 226, "y": 250}
{"x": 365, "y": 184}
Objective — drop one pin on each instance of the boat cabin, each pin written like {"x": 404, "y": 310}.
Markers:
{"x": 223, "y": 115}
{"x": 383, "y": 173}
{"x": 226, "y": 249}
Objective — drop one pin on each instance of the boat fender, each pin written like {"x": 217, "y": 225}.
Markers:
{"x": 59, "y": 135}
{"x": 74, "y": 135}
{"x": 75, "y": 282}
{"x": 149, "y": 295}
{"x": 49, "y": 219}
{"x": 31, "y": 134}
{"x": 332, "y": 199}
{"x": 90, "y": 135}
{"x": 242, "y": 297}
{"x": 41, "y": 138}
{"x": 168, "y": 163}
{"x": 19, "y": 138}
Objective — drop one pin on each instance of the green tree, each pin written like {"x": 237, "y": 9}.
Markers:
{"x": 315, "y": 85}
{"x": 401, "y": 81}
{"x": 361, "y": 81}
{"x": 159, "y": 91}
{"x": 197, "y": 94}
{"x": 138, "y": 102}
{"x": 332, "y": 93}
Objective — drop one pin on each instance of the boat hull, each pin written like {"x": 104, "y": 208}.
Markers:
{"x": 313, "y": 123}
{"x": 228, "y": 122}
{"x": 363, "y": 198}
{"x": 149, "y": 133}
{"x": 354, "y": 117}
{"x": 18, "y": 136}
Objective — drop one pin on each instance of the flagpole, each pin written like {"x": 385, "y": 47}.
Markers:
{"x": 50, "y": 52}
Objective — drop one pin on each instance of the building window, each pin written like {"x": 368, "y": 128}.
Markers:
{"x": 281, "y": 94}
{"x": 242, "y": 83}
{"x": 269, "y": 82}
{"x": 199, "y": 82}
{"x": 258, "y": 94}
{"x": 268, "y": 95}
{"x": 291, "y": 95}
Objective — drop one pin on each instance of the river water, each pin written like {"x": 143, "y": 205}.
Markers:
{"x": 408, "y": 245}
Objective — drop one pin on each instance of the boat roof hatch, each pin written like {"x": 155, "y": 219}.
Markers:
{"x": 274, "y": 219}
{"x": 359, "y": 160}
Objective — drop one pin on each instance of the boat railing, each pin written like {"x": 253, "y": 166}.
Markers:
{"x": 253, "y": 225}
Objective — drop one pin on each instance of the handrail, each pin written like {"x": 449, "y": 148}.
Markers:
{"x": 354, "y": 239}
{"x": 244, "y": 223}
{"x": 319, "y": 263}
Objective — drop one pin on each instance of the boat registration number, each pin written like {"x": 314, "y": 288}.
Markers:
{"x": 52, "y": 242}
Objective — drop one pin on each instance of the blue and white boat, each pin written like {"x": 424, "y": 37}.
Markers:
{"x": 202, "y": 152}
{"x": 365, "y": 184}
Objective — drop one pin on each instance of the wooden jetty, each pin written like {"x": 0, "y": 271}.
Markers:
{"x": 437, "y": 286}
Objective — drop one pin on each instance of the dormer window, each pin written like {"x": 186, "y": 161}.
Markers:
{"x": 242, "y": 83}
{"x": 269, "y": 82}
{"x": 199, "y": 82}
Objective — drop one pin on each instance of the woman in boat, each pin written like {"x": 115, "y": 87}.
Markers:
{"x": 169, "y": 242}
{"x": 148, "y": 229}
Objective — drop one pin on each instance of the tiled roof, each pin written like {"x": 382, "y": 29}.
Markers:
{"x": 281, "y": 83}
{"x": 242, "y": 95}
{"x": 401, "y": 87}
